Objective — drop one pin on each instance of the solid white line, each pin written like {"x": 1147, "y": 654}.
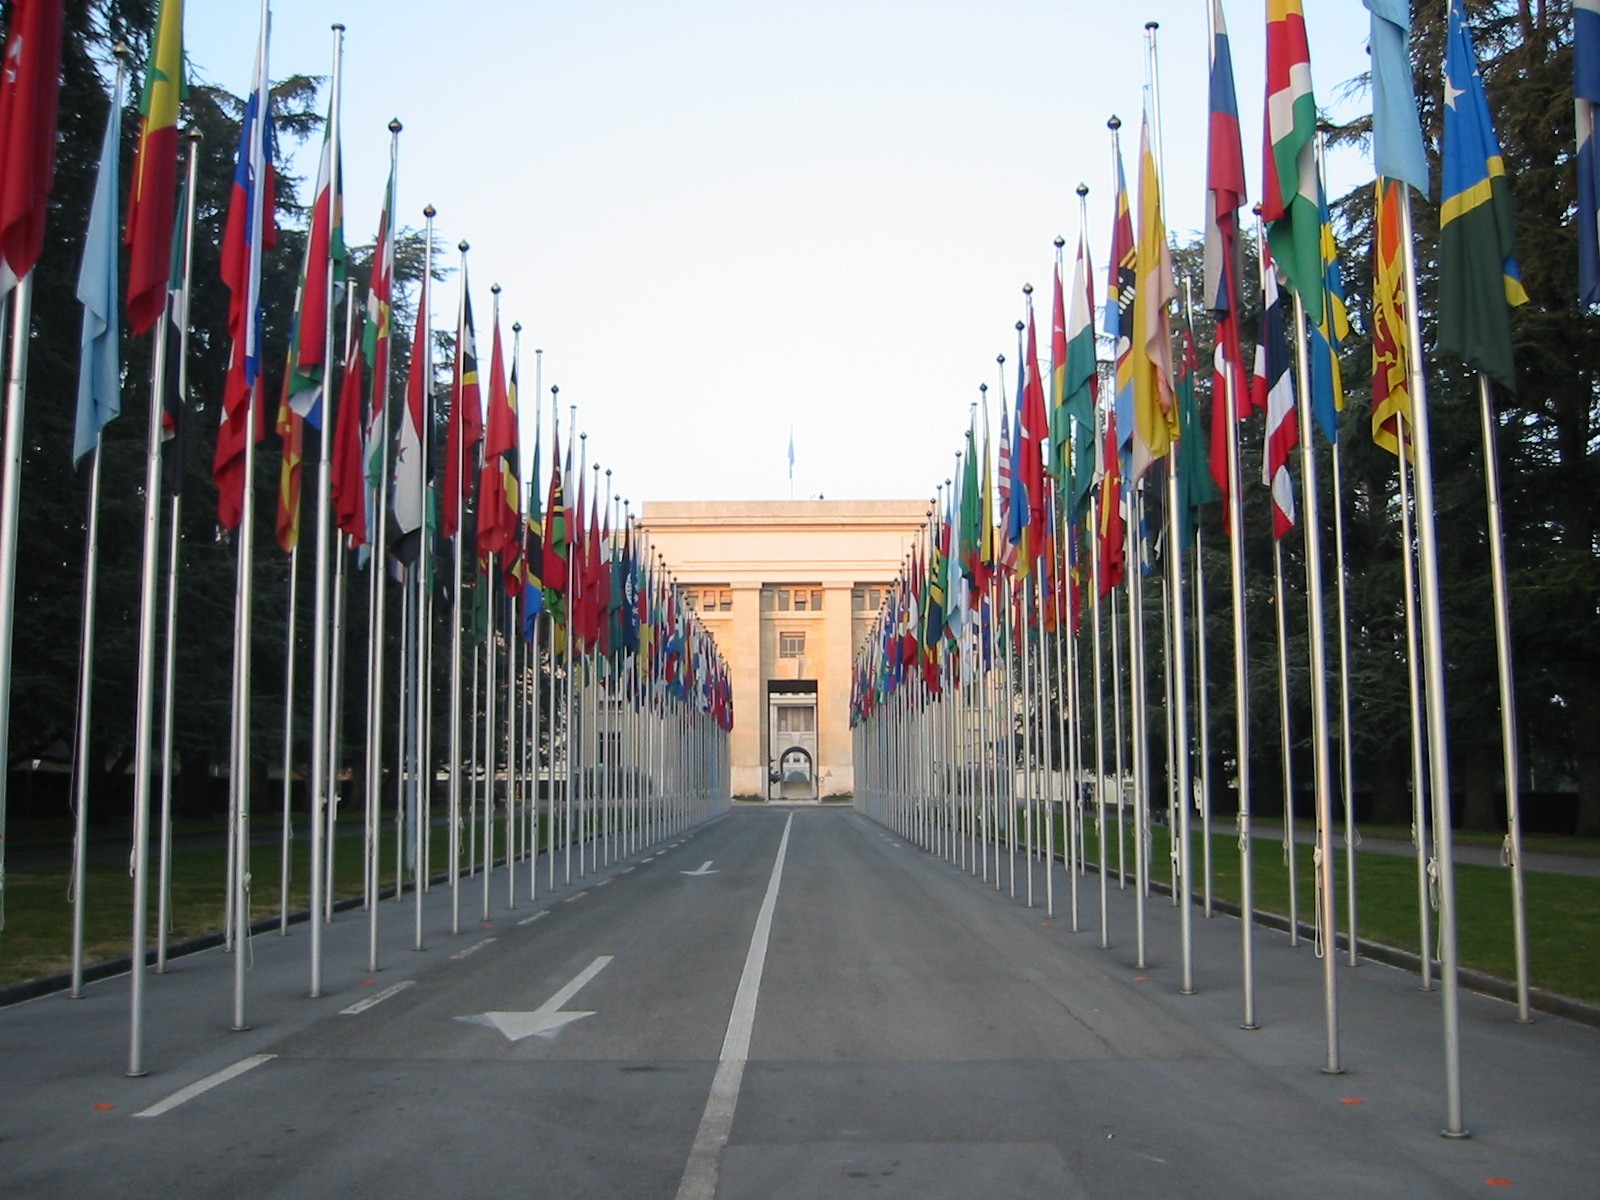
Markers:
{"x": 535, "y": 917}
{"x": 700, "y": 1175}
{"x": 366, "y": 1002}
{"x": 472, "y": 949}
{"x": 202, "y": 1086}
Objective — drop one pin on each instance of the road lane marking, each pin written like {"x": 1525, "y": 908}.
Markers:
{"x": 700, "y": 1175}
{"x": 200, "y": 1087}
{"x": 472, "y": 949}
{"x": 366, "y": 1002}
{"x": 535, "y": 917}
{"x": 574, "y": 897}
{"x": 548, "y": 1018}
{"x": 703, "y": 869}
{"x": 605, "y": 883}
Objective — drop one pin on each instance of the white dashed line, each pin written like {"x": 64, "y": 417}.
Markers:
{"x": 183, "y": 1095}
{"x": 366, "y": 1002}
{"x": 536, "y": 916}
{"x": 472, "y": 949}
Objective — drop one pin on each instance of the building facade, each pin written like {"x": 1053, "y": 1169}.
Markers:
{"x": 788, "y": 589}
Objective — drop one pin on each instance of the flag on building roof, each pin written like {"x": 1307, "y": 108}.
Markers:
{"x": 30, "y": 92}
{"x": 1479, "y": 282}
{"x": 1586, "y": 99}
{"x": 1289, "y": 172}
{"x": 155, "y": 171}
{"x": 1391, "y": 393}
{"x": 99, "y": 363}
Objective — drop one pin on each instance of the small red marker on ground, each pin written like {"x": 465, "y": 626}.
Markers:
{"x": 1141, "y": 979}
{"x": 368, "y": 982}
{"x": 1497, "y": 1181}
{"x": 104, "y": 1107}
{"x": 1352, "y": 1100}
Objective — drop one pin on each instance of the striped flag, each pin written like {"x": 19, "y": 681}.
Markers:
{"x": 322, "y": 271}
{"x": 155, "y": 172}
{"x": 1112, "y": 534}
{"x": 411, "y": 468}
{"x": 1081, "y": 383}
{"x": 1225, "y": 191}
{"x": 1155, "y": 412}
{"x": 465, "y": 428}
{"x": 1274, "y": 391}
{"x": 1289, "y": 173}
{"x": 1121, "y": 280}
{"x": 1586, "y": 99}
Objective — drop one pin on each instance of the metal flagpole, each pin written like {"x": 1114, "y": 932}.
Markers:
{"x": 1512, "y": 850}
{"x": 1119, "y": 739}
{"x": 471, "y": 820}
{"x": 1202, "y": 675}
{"x": 377, "y": 624}
{"x": 1322, "y": 767}
{"x": 489, "y": 713}
{"x": 336, "y": 666}
{"x": 320, "y": 647}
{"x": 457, "y": 504}
{"x": 1280, "y": 607}
{"x": 405, "y": 742}
{"x": 1433, "y": 668}
{"x": 164, "y": 887}
{"x": 422, "y": 668}
{"x": 1099, "y": 716}
{"x": 1139, "y": 721}
{"x": 1419, "y": 770}
{"x": 286, "y": 834}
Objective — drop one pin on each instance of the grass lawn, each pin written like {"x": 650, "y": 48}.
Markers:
{"x": 1563, "y": 910}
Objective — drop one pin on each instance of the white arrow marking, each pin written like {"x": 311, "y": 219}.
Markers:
{"x": 547, "y": 1018}
{"x": 703, "y": 869}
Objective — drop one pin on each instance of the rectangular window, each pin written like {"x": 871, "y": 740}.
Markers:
{"x": 794, "y": 718}
{"x": 801, "y": 599}
{"x": 725, "y": 599}
{"x": 816, "y": 600}
{"x": 783, "y": 599}
{"x": 791, "y": 645}
{"x": 769, "y": 599}
{"x": 858, "y": 600}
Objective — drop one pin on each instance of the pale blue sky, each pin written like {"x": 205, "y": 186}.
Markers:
{"x": 719, "y": 219}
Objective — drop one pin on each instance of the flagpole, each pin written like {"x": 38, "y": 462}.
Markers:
{"x": 164, "y": 888}
{"x": 10, "y": 484}
{"x": 287, "y": 830}
{"x": 1138, "y": 721}
{"x": 1419, "y": 770}
{"x": 336, "y": 667}
{"x": 421, "y": 769}
{"x": 1433, "y": 669}
{"x": 1508, "y": 694}
{"x": 456, "y": 503}
{"x": 377, "y": 623}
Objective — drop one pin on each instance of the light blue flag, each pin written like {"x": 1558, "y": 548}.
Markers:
{"x": 1396, "y": 130}
{"x": 99, "y": 367}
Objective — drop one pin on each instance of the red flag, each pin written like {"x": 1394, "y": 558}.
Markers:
{"x": 155, "y": 173}
{"x": 347, "y": 478}
{"x": 292, "y": 432}
{"x": 495, "y": 535}
{"x": 466, "y": 420}
{"x": 1112, "y": 532}
{"x": 30, "y": 90}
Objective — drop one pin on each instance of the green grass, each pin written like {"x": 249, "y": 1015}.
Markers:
{"x": 1563, "y": 910}
{"x": 37, "y": 939}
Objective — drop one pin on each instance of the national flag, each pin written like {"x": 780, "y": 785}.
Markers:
{"x": 1112, "y": 534}
{"x": 1121, "y": 284}
{"x": 1060, "y": 421}
{"x": 497, "y": 522}
{"x": 30, "y": 93}
{"x": 555, "y": 573}
{"x": 1479, "y": 281}
{"x": 1033, "y": 425}
{"x": 174, "y": 401}
{"x": 347, "y": 480}
{"x": 321, "y": 274}
{"x": 1081, "y": 385}
{"x": 1586, "y": 101}
{"x": 291, "y": 428}
{"x": 375, "y": 346}
{"x": 513, "y": 567}
{"x": 1155, "y": 412}
{"x": 1274, "y": 391}
{"x": 251, "y": 229}
{"x": 465, "y": 428}
{"x": 1391, "y": 395}
{"x": 987, "y": 560}
{"x": 1328, "y": 334}
{"x": 532, "y": 537}
{"x": 411, "y": 467}
{"x": 970, "y": 534}
{"x": 155, "y": 170}
{"x": 1225, "y": 192}
{"x": 1397, "y": 150}
{"x": 1007, "y": 555}
{"x": 1019, "y": 510}
{"x": 99, "y": 368}
{"x": 1195, "y": 486}
{"x": 1289, "y": 173}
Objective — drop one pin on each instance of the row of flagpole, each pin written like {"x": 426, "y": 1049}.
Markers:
{"x": 978, "y": 643}
{"x": 614, "y": 733}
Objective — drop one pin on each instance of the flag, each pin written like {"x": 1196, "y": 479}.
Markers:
{"x": 1225, "y": 191}
{"x": 1018, "y": 510}
{"x": 791, "y": 454}
{"x": 411, "y": 468}
{"x": 465, "y": 429}
{"x": 497, "y": 525}
{"x": 1081, "y": 384}
{"x": 174, "y": 401}
{"x": 1033, "y": 430}
{"x": 1391, "y": 397}
{"x": 375, "y": 345}
{"x": 251, "y": 229}
{"x": 512, "y": 564}
{"x": 1195, "y": 486}
{"x": 1121, "y": 282}
{"x": 347, "y": 480}
{"x": 986, "y": 547}
{"x": 1112, "y": 534}
{"x": 555, "y": 573}
{"x": 322, "y": 272}
{"x": 155, "y": 170}
{"x": 1586, "y": 99}
{"x": 1006, "y": 557}
{"x": 1289, "y": 173}
{"x": 1155, "y": 413}
{"x": 1060, "y": 420}
{"x": 1328, "y": 334}
{"x": 30, "y": 91}
{"x": 99, "y": 373}
{"x": 1397, "y": 150}
{"x": 1274, "y": 392}
{"x": 532, "y": 539}
{"x": 1479, "y": 281}
{"x": 291, "y": 429}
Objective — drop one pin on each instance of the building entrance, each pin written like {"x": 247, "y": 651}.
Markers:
{"x": 792, "y": 740}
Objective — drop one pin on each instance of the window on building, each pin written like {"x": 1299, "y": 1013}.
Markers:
{"x": 784, "y": 597}
{"x": 795, "y": 718}
{"x": 791, "y": 645}
{"x": 724, "y": 599}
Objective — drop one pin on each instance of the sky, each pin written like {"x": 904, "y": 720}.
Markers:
{"x": 724, "y": 220}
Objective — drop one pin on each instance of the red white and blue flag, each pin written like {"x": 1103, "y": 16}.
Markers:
{"x": 1225, "y": 189}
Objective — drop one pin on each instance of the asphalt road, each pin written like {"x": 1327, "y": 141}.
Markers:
{"x": 821, "y": 1011}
